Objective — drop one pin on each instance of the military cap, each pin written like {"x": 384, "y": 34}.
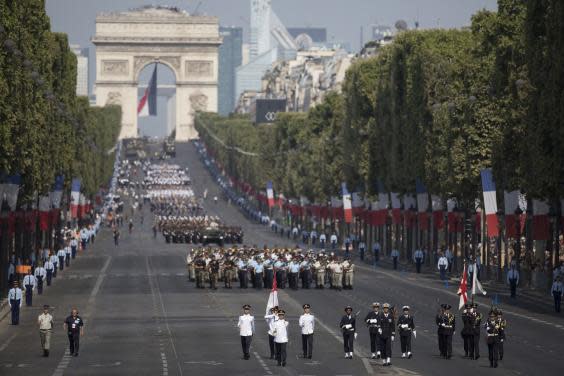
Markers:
{"x": 375, "y": 304}
{"x": 246, "y": 306}
{"x": 405, "y": 308}
{"x": 475, "y": 305}
{"x": 281, "y": 312}
{"x": 447, "y": 306}
{"x": 45, "y": 306}
{"x": 348, "y": 308}
{"x": 306, "y": 306}
{"x": 467, "y": 305}
{"x": 386, "y": 305}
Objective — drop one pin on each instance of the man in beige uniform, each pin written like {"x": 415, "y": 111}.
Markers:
{"x": 337, "y": 275}
{"x": 45, "y": 322}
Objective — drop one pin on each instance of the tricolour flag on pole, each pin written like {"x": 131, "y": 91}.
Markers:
{"x": 44, "y": 212}
{"x": 541, "y": 225}
{"x": 148, "y": 103}
{"x": 273, "y": 296}
{"x": 463, "y": 289}
{"x": 490, "y": 202}
{"x": 10, "y": 189}
{"x": 75, "y": 197}
{"x": 476, "y": 285}
{"x": 347, "y": 204}
{"x": 57, "y": 193}
{"x": 422, "y": 205}
{"x": 396, "y": 208}
{"x": 270, "y": 194}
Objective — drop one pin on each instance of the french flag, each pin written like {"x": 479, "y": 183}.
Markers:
{"x": 148, "y": 104}
{"x": 490, "y": 202}
{"x": 10, "y": 188}
{"x": 438, "y": 212}
{"x": 75, "y": 197}
{"x": 383, "y": 202}
{"x": 347, "y": 204}
{"x": 396, "y": 208}
{"x": 422, "y": 204}
{"x": 273, "y": 296}
{"x": 511, "y": 204}
{"x": 57, "y": 193}
{"x": 44, "y": 212}
{"x": 540, "y": 220}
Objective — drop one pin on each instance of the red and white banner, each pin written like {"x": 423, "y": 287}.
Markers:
{"x": 347, "y": 204}
{"x": 44, "y": 212}
{"x": 273, "y": 296}
{"x": 396, "y": 208}
{"x": 270, "y": 194}
{"x": 438, "y": 212}
{"x": 541, "y": 223}
{"x": 463, "y": 288}
{"x": 75, "y": 197}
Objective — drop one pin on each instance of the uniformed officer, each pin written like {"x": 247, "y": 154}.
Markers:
{"x": 319, "y": 268}
{"x": 513, "y": 280}
{"x": 75, "y": 329}
{"x": 307, "y": 323}
{"x": 348, "y": 327}
{"x": 395, "y": 257}
{"x": 270, "y": 318}
{"x": 447, "y": 323}
{"x": 371, "y": 321}
{"x": 492, "y": 330}
{"x": 337, "y": 275}
{"x": 49, "y": 268}
{"x": 361, "y": 249}
{"x": 55, "y": 260}
{"x": 442, "y": 265}
{"x": 246, "y": 327}
{"x": 61, "y": 257}
{"x": 29, "y": 283}
{"x": 268, "y": 273}
{"x": 243, "y": 273}
{"x": 74, "y": 246}
{"x": 467, "y": 331}
{"x": 387, "y": 331}
{"x": 293, "y": 269}
{"x": 15, "y": 296}
{"x": 406, "y": 327}
{"x": 213, "y": 269}
{"x": 40, "y": 274}
{"x": 45, "y": 323}
{"x": 200, "y": 266}
{"x": 190, "y": 267}
{"x": 259, "y": 271}
{"x": 557, "y": 290}
{"x": 281, "y": 337}
{"x": 305, "y": 270}
{"x": 502, "y": 325}
{"x": 229, "y": 272}
{"x": 476, "y": 321}
{"x": 348, "y": 271}
{"x": 281, "y": 278}
{"x": 68, "y": 255}
{"x": 418, "y": 258}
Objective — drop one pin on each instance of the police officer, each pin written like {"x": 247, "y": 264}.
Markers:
{"x": 307, "y": 323}
{"x": 61, "y": 258}
{"x": 442, "y": 265}
{"x": 557, "y": 290}
{"x": 74, "y": 246}
{"x": 305, "y": 269}
{"x": 243, "y": 273}
{"x": 406, "y": 326}
{"x": 418, "y": 257}
{"x": 371, "y": 321}
{"x": 476, "y": 321}
{"x": 281, "y": 337}
{"x": 502, "y": 325}
{"x": 493, "y": 340}
{"x": 259, "y": 271}
{"x": 68, "y": 255}
{"x": 29, "y": 283}
{"x": 55, "y": 260}
{"x": 293, "y": 269}
{"x": 40, "y": 274}
{"x": 45, "y": 323}
{"x": 268, "y": 273}
{"x": 395, "y": 257}
{"x": 49, "y": 268}
{"x": 348, "y": 271}
{"x": 447, "y": 323}
{"x": 75, "y": 329}
{"x": 513, "y": 280}
{"x": 246, "y": 327}
{"x": 348, "y": 327}
{"x": 15, "y": 296}
{"x": 387, "y": 333}
{"x": 280, "y": 267}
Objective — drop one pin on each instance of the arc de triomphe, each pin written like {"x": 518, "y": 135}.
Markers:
{"x": 128, "y": 41}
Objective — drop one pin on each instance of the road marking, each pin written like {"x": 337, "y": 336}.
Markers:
{"x": 99, "y": 281}
{"x": 7, "y": 342}
{"x": 115, "y": 364}
{"x": 63, "y": 364}
{"x": 262, "y": 363}
{"x": 206, "y": 362}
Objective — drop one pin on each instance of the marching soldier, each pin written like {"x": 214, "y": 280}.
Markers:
{"x": 61, "y": 254}
{"x": 418, "y": 257}
{"x": 502, "y": 325}
{"x": 268, "y": 273}
{"x": 493, "y": 330}
{"x": 246, "y": 327}
{"x": 68, "y": 255}
{"x": 40, "y": 274}
{"x": 307, "y": 323}
{"x": 395, "y": 257}
{"x": 55, "y": 260}
{"x": 49, "y": 267}
{"x": 447, "y": 324}
{"x": 348, "y": 270}
{"x": 281, "y": 278}
{"x": 259, "y": 271}
{"x": 337, "y": 275}
{"x": 371, "y": 321}
{"x": 190, "y": 267}
{"x": 387, "y": 331}
{"x": 319, "y": 270}
{"x": 476, "y": 321}
{"x": 513, "y": 280}
{"x": 305, "y": 270}
{"x": 348, "y": 327}
{"x": 467, "y": 331}
{"x": 229, "y": 272}
{"x": 29, "y": 283}
{"x": 281, "y": 338}
{"x": 270, "y": 320}
{"x": 200, "y": 266}
{"x": 213, "y": 270}
{"x": 15, "y": 296}
{"x": 406, "y": 326}
{"x": 243, "y": 273}
{"x": 293, "y": 269}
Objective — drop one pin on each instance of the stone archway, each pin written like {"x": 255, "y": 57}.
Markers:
{"x": 126, "y": 42}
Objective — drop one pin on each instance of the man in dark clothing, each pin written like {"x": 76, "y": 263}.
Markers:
{"x": 387, "y": 332}
{"x": 348, "y": 326}
{"x": 75, "y": 329}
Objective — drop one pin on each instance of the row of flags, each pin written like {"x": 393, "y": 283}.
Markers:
{"x": 45, "y": 207}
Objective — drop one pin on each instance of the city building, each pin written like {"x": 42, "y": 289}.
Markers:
{"x": 81, "y": 70}
{"x": 230, "y": 57}
{"x": 317, "y": 34}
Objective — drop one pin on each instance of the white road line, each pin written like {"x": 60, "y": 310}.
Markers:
{"x": 262, "y": 363}
{"x": 8, "y": 341}
{"x": 63, "y": 364}
{"x": 99, "y": 280}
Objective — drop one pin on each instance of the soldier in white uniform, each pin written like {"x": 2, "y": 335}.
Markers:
{"x": 271, "y": 318}
{"x": 61, "y": 254}
{"x": 281, "y": 338}
{"x": 45, "y": 323}
{"x": 337, "y": 273}
{"x": 246, "y": 327}
{"x": 348, "y": 269}
{"x": 307, "y": 323}
{"x": 49, "y": 268}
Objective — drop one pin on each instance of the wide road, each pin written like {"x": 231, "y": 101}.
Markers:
{"x": 144, "y": 318}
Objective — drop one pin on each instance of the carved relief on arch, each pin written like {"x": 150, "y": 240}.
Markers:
{"x": 142, "y": 61}
{"x": 198, "y": 102}
{"x": 114, "y": 98}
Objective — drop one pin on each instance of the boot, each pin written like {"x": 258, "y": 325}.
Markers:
{"x": 409, "y": 354}
{"x": 403, "y": 355}
{"x": 389, "y": 361}
{"x": 373, "y": 356}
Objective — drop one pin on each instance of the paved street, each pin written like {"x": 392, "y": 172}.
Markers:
{"x": 143, "y": 317}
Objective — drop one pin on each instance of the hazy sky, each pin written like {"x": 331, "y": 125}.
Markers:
{"x": 342, "y": 18}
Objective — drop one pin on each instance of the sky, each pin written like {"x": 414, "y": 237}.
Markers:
{"x": 342, "y": 18}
